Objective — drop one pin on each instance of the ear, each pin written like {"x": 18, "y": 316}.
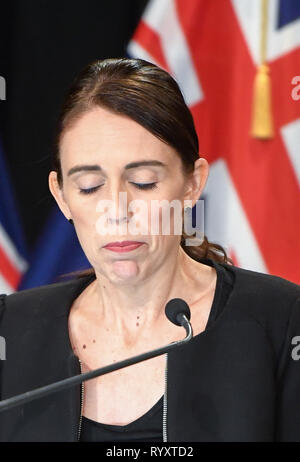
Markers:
{"x": 58, "y": 195}
{"x": 197, "y": 180}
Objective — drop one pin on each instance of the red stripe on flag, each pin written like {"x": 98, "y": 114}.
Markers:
{"x": 232, "y": 255}
{"x": 148, "y": 39}
{"x": 282, "y": 70}
{"x": 8, "y": 271}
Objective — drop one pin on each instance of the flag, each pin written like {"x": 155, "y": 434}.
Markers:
{"x": 215, "y": 51}
{"x": 56, "y": 253}
{"x": 13, "y": 250}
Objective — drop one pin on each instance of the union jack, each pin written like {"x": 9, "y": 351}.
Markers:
{"x": 211, "y": 48}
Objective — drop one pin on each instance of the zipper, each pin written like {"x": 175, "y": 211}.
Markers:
{"x": 81, "y": 404}
{"x": 165, "y": 406}
{"x": 165, "y": 403}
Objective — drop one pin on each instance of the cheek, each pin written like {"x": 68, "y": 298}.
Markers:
{"x": 88, "y": 237}
{"x": 82, "y": 208}
{"x": 154, "y": 218}
{"x": 84, "y": 219}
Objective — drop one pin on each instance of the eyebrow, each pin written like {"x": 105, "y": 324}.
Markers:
{"x": 131, "y": 165}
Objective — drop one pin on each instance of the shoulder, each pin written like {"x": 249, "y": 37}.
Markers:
{"x": 271, "y": 301}
{"x": 53, "y": 298}
{"x": 263, "y": 287}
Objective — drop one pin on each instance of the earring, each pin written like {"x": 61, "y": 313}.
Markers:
{"x": 71, "y": 221}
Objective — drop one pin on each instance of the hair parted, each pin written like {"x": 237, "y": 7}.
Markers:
{"x": 151, "y": 97}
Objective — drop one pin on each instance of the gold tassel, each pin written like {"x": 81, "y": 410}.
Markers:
{"x": 262, "y": 122}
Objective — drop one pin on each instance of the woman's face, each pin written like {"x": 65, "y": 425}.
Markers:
{"x": 104, "y": 154}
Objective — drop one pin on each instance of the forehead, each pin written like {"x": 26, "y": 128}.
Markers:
{"x": 101, "y": 135}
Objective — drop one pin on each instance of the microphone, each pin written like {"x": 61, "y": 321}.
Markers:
{"x": 176, "y": 310}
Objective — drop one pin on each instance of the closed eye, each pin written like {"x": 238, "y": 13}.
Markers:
{"x": 145, "y": 185}
{"x": 89, "y": 190}
{"x": 137, "y": 185}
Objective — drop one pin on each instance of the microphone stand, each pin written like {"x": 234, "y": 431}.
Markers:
{"x": 76, "y": 379}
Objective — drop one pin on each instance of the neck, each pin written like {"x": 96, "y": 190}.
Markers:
{"x": 132, "y": 311}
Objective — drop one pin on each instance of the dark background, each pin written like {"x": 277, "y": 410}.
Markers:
{"x": 43, "y": 45}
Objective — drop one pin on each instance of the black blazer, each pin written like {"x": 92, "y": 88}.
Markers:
{"x": 239, "y": 380}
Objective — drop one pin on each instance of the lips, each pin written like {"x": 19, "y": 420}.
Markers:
{"x": 124, "y": 246}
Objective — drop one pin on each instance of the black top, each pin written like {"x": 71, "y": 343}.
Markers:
{"x": 149, "y": 427}
{"x": 238, "y": 380}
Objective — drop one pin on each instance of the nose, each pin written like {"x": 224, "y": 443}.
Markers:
{"x": 119, "y": 200}
{"x": 117, "y": 221}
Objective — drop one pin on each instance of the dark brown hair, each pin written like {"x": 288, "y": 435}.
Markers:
{"x": 151, "y": 97}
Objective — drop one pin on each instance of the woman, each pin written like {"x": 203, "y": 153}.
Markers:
{"x": 125, "y": 128}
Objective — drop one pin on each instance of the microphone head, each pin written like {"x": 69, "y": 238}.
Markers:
{"x": 175, "y": 307}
